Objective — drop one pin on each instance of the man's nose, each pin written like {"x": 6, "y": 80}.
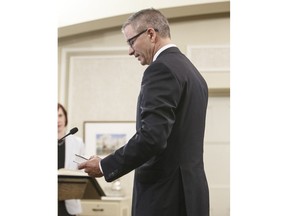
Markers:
{"x": 131, "y": 51}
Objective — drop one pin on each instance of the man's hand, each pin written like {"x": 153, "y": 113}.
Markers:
{"x": 92, "y": 167}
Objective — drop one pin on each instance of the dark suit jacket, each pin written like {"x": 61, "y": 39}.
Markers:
{"x": 167, "y": 148}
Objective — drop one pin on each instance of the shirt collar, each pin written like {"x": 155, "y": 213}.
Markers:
{"x": 162, "y": 49}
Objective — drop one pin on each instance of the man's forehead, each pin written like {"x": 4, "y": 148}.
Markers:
{"x": 129, "y": 31}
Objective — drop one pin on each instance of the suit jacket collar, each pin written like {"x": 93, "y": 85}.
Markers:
{"x": 162, "y": 49}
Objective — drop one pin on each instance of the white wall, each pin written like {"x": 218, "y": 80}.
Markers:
{"x": 79, "y": 17}
{"x": 80, "y": 11}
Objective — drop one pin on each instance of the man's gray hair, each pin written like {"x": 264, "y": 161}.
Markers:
{"x": 149, "y": 18}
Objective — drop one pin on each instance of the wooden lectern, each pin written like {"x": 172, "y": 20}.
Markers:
{"x": 77, "y": 185}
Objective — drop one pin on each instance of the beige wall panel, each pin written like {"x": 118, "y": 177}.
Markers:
{"x": 218, "y": 121}
{"x": 217, "y": 154}
{"x": 220, "y": 201}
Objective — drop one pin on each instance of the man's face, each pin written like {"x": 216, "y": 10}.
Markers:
{"x": 140, "y": 46}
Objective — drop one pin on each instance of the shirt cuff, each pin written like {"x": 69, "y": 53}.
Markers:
{"x": 100, "y": 167}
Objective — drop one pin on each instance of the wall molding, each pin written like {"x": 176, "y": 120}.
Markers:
{"x": 67, "y": 54}
{"x": 213, "y": 62}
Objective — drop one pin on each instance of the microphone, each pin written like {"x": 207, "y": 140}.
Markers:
{"x": 72, "y": 131}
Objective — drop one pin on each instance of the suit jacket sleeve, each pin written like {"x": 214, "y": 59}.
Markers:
{"x": 159, "y": 96}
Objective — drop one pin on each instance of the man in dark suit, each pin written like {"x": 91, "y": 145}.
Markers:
{"x": 167, "y": 148}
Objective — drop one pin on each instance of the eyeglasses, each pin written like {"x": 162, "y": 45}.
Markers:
{"x": 132, "y": 40}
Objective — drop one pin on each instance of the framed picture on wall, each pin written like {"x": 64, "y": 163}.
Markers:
{"x": 104, "y": 137}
